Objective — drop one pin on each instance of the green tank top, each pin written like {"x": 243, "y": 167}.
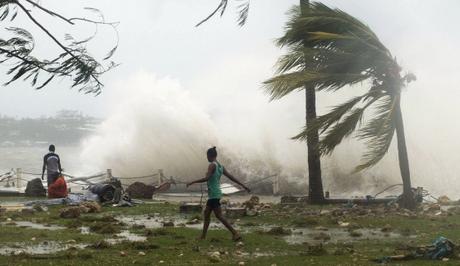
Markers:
{"x": 214, "y": 191}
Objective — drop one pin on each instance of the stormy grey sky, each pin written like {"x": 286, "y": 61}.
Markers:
{"x": 176, "y": 81}
{"x": 159, "y": 37}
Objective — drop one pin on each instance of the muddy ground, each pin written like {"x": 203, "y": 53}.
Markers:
{"x": 155, "y": 233}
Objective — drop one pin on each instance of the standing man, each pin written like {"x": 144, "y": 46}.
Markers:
{"x": 52, "y": 164}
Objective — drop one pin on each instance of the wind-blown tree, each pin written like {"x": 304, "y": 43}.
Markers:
{"x": 296, "y": 61}
{"x": 331, "y": 50}
{"x": 316, "y": 194}
{"x": 72, "y": 58}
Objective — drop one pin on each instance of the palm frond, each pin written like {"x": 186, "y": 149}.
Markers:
{"x": 329, "y": 49}
{"x": 281, "y": 85}
{"x": 242, "y": 9}
{"x": 378, "y": 133}
{"x": 340, "y": 131}
{"x": 243, "y": 13}
{"x": 334, "y": 119}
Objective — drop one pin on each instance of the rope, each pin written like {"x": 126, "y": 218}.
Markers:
{"x": 81, "y": 177}
{"x": 10, "y": 173}
{"x": 136, "y": 177}
{"x": 29, "y": 173}
{"x": 392, "y": 186}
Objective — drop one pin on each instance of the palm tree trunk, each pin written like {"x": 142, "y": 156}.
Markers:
{"x": 407, "y": 199}
{"x": 315, "y": 183}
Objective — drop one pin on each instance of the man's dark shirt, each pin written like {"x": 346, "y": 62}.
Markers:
{"x": 52, "y": 163}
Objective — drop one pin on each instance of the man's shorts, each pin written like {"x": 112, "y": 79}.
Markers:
{"x": 213, "y": 203}
{"x": 51, "y": 178}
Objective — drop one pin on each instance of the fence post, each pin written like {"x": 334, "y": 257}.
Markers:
{"x": 109, "y": 174}
{"x": 18, "y": 177}
{"x": 276, "y": 185}
{"x": 160, "y": 176}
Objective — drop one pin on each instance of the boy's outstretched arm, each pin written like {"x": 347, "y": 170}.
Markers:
{"x": 211, "y": 169}
{"x": 231, "y": 177}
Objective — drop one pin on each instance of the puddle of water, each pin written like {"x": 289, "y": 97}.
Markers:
{"x": 126, "y": 236}
{"x": 35, "y": 225}
{"x": 38, "y": 249}
{"x": 157, "y": 222}
{"x": 336, "y": 235}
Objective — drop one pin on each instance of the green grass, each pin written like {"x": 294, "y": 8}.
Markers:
{"x": 178, "y": 246}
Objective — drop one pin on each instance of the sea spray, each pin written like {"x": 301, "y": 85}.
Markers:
{"x": 155, "y": 124}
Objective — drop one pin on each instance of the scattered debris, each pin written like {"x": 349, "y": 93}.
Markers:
{"x": 444, "y": 200}
{"x": 251, "y": 203}
{"x": 91, "y": 206}
{"x": 70, "y": 212}
{"x": 215, "y": 256}
{"x": 343, "y": 224}
{"x": 441, "y": 248}
{"x": 140, "y": 190}
{"x": 40, "y": 208}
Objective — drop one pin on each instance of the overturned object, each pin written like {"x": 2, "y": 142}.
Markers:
{"x": 105, "y": 192}
{"x": 35, "y": 188}
{"x": 140, "y": 190}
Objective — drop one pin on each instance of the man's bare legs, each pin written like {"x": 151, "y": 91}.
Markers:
{"x": 218, "y": 214}
{"x": 207, "y": 220}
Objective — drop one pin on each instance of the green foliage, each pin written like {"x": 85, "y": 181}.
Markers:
{"x": 329, "y": 49}
{"x": 73, "y": 62}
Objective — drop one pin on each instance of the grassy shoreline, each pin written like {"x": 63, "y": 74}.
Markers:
{"x": 178, "y": 245}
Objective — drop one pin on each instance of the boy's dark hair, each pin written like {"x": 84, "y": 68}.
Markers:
{"x": 212, "y": 152}
{"x": 52, "y": 148}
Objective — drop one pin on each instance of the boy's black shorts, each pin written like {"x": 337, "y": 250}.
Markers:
{"x": 213, "y": 203}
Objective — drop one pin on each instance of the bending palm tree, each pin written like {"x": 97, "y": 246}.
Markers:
{"x": 328, "y": 50}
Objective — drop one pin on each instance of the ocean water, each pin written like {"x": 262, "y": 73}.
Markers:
{"x": 30, "y": 159}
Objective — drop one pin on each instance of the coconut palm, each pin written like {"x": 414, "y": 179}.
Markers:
{"x": 294, "y": 61}
{"x": 331, "y": 50}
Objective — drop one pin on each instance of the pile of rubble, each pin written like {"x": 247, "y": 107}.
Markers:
{"x": 251, "y": 207}
{"x": 76, "y": 211}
